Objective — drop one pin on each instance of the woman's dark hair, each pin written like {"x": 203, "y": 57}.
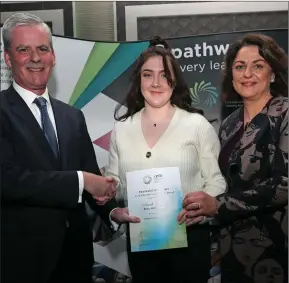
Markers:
{"x": 181, "y": 93}
{"x": 273, "y": 54}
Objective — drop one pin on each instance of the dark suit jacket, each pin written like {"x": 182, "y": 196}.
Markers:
{"x": 39, "y": 194}
{"x": 255, "y": 209}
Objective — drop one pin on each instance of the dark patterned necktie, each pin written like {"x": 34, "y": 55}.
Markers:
{"x": 47, "y": 126}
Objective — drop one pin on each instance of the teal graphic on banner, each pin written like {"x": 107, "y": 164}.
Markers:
{"x": 204, "y": 95}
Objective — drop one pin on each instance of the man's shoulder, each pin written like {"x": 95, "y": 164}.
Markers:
{"x": 66, "y": 107}
{"x": 3, "y": 97}
{"x": 5, "y": 92}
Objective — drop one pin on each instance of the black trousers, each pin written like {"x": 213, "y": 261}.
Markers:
{"x": 184, "y": 265}
{"x": 76, "y": 259}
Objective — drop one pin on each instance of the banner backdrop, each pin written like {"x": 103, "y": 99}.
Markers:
{"x": 95, "y": 77}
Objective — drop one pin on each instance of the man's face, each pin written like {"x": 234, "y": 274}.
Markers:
{"x": 30, "y": 57}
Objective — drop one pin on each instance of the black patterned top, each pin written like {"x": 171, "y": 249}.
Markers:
{"x": 253, "y": 212}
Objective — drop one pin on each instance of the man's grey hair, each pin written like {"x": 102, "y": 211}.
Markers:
{"x": 22, "y": 19}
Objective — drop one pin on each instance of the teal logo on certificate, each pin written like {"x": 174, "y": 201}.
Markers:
{"x": 155, "y": 196}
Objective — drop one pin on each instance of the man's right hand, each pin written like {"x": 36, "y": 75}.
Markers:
{"x": 99, "y": 186}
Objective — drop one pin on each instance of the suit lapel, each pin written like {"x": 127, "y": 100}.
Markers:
{"x": 62, "y": 131}
{"x": 28, "y": 120}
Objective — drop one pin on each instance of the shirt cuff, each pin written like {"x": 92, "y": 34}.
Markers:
{"x": 115, "y": 226}
{"x": 81, "y": 185}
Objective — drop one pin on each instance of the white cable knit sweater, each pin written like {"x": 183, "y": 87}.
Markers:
{"x": 190, "y": 142}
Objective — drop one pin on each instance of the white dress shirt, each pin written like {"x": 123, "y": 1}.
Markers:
{"x": 29, "y": 97}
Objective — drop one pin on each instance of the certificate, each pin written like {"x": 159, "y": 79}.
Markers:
{"x": 155, "y": 196}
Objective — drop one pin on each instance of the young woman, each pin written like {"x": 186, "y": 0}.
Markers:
{"x": 161, "y": 129}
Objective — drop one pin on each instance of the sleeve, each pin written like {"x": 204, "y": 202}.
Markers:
{"x": 89, "y": 164}
{"x": 272, "y": 193}
{"x": 41, "y": 188}
{"x": 215, "y": 183}
{"x": 112, "y": 169}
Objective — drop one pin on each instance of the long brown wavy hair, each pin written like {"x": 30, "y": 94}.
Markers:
{"x": 134, "y": 100}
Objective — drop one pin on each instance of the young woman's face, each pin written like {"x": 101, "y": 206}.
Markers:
{"x": 154, "y": 85}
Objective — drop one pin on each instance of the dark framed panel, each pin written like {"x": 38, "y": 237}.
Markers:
{"x": 120, "y": 13}
{"x": 142, "y": 20}
{"x": 174, "y": 26}
{"x": 66, "y": 7}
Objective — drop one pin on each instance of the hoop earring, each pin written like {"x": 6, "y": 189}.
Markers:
{"x": 272, "y": 78}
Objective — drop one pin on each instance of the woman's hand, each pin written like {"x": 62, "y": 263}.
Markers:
{"x": 184, "y": 217}
{"x": 196, "y": 205}
{"x": 121, "y": 215}
{"x": 200, "y": 203}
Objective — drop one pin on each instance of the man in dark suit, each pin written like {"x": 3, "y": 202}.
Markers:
{"x": 48, "y": 169}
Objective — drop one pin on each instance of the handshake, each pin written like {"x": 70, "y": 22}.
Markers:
{"x": 101, "y": 188}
